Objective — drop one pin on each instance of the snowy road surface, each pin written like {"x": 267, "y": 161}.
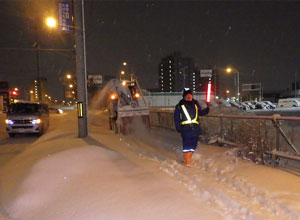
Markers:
{"x": 106, "y": 176}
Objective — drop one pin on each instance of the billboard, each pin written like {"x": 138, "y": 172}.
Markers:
{"x": 206, "y": 73}
{"x": 64, "y": 16}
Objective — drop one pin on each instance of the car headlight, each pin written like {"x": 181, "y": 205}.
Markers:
{"x": 36, "y": 121}
{"x": 9, "y": 122}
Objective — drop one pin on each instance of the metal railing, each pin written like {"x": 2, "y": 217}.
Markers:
{"x": 275, "y": 135}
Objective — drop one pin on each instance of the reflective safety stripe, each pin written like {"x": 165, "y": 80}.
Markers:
{"x": 189, "y": 150}
{"x": 189, "y": 120}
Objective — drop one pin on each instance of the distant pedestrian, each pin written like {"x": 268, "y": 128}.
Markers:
{"x": 186, "y": 118}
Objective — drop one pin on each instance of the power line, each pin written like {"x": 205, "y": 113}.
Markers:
{"x": 40, "y": 49}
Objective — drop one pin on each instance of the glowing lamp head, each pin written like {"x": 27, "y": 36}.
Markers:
{"x": 137, "y": 95}
{"x": 228, "y": 70}
{"x": 124, "y": 83}
{"x": 51, "y": 22}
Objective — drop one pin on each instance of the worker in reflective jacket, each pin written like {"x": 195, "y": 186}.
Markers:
{"x": 186, "y": 118}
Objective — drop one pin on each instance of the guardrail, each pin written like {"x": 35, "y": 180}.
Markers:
{"x": 274, "y": 135}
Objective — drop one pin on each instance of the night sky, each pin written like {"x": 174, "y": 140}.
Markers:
{"x": 260, "y": 39}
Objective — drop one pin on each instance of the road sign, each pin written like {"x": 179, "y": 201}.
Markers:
{"x": 64, "y": 16}
{"x": 94, "y": 79}
{"x": 206, "y": 73}
{"x": 251, "y": 87}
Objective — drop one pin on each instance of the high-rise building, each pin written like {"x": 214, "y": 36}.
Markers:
{"x": 177, "y": 72}
{"x": 39, "y": 90}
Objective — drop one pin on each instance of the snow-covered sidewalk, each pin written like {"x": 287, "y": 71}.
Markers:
{"x": 108, "y": 176}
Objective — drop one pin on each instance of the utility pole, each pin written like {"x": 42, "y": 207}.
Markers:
{"x": 81, "y": 67}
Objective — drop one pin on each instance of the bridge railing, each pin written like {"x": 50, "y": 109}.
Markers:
{"x": 257, "y": 135}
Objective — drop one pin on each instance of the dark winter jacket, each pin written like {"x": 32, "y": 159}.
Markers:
{"x": 189, "y": 130}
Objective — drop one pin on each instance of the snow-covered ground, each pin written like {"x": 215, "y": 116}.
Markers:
{"x": 140, "y": 176}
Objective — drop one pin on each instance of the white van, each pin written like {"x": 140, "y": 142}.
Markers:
{"x": 288, "y": 103}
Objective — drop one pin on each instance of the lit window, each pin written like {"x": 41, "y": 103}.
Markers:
{"x": 193, "y": 73}
{"x": 193, "y": 76}
{"x": 170, "y": 71}
{"x": 161, "y": 69}
{"x": 170, "y": 67}
{"x": 170, "y": 61}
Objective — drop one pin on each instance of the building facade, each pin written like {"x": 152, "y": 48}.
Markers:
{"x": 39, "y": 90}
{"x": 177, "y": 72}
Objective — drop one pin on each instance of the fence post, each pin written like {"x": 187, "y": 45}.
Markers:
{"x": 221, "y": 127}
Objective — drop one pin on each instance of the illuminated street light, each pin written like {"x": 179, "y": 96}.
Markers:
{"x": 124, "y": 63}
{"x": 31, "y": 92}
{"x": 70, "y": 86}
{"x": 227, "y": 91}
{"x": 16, "y": 89}
{"x": 122, "y": 72}
{"x": 230, "y": 70}
{"x": 51, "y": 22}
{"x": 69, "y": 76}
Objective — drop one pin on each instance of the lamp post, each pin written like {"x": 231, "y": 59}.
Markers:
{"x": 237, "y": 82}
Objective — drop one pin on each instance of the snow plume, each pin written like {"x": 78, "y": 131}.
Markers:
{"x": 99, "y": 100}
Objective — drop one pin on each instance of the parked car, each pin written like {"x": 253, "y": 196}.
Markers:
{"x": 259, "y": 105}
{"x": 235, "y": 104}
{"x": 288, "y": 103}
{"x": 223, "y": 102}
{"x": 270, "y": 105}
{"x": 27, "y": 117}
{"x": 251, "y": 106}
{"x": 244, "y": 106}
{"x": 213, "y": 103}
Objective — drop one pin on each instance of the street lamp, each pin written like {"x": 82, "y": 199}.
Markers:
{"x": 237, "y": 82}
{"x": 69, "y": 76}
{"x": 51, "y": 22}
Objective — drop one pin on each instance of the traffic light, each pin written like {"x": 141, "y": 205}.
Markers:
{"x": 14, "y": 93}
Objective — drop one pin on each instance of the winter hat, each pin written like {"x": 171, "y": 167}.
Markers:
{"x": 186, "y": 91}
